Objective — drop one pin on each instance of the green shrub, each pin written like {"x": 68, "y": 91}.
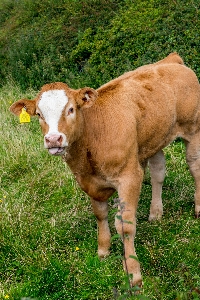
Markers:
{"x": 145, "y": 32}
{"x": 91, "y": 42}
{"x": 37, "y": 37}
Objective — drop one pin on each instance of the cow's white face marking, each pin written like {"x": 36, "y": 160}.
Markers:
{"x": 51, "y": 105}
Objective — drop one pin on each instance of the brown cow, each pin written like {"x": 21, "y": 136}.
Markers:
{"x": 107, "y": 135}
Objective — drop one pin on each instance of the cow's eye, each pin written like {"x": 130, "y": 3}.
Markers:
{"x": 71, "y": 110}
{"x": 38, "y": 114}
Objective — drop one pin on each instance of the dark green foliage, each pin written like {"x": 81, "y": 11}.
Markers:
{"x": 91, "y": 42}
{"x": 38, "y": 36}
{"x": 143, "y": 33}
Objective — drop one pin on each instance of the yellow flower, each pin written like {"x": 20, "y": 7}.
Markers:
{"x": 4, "y": 197}
{"x": 77, "y": 248}
{"x": 1, "y": 201}
{"x": 6, "y": 297}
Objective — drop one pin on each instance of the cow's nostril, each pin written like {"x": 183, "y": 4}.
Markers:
{"x": 54, "y": 140}
{"x": 46, "y": 140}
{"x": 60, "y": 139}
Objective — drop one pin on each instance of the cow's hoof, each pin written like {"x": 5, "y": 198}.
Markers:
{"x": 156, "y": 213}
{"x": 103, "y": 253}
{"x": 197, "y": 211}
{"x": 197, "y": 215}
{"x": 137, "y": 282}
{"x": 155, "y": 217}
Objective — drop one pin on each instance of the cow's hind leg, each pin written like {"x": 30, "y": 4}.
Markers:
{"x": 193, "y": 160}
{"x": 101, "y": 212}
{"x": 157, "y": 171}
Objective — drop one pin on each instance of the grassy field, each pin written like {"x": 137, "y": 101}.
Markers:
{"x": 48, "y": 243}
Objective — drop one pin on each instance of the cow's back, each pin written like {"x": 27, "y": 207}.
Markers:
{"x": 149, "y": 106}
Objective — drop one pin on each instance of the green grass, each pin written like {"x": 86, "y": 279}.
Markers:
{"x": 48, "y": 234}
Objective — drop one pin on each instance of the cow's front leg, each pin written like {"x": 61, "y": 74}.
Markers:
{"x": 101, "y": 212}
{"x": 125, "y": 222}
{"x": 157, "y": 171}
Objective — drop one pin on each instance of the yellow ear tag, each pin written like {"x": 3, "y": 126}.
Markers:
{"x": 24, "y": 117}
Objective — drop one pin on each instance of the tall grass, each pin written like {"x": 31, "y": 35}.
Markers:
{"x": 48, "y": 244}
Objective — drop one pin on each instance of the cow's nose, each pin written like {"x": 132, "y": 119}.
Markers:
{"x": 53, "y": 140}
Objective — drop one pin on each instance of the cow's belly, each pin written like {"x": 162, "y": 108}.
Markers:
{"x": 163, "y": 138}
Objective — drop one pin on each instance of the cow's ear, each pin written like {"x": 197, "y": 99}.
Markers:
{"x": 29, "y": 105}
{"x": 86, "y": 97}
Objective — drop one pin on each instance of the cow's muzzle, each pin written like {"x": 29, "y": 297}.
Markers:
{"x": 55, "y": 143}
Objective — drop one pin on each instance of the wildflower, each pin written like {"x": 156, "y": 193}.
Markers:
{"x": 77, "y": 248}
{"x": 1, "y": 200}
{"x": 4, "y": 197}
{"x": 6, "y": 297}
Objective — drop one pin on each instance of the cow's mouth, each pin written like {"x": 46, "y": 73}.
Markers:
{"x": 57, "y": 150}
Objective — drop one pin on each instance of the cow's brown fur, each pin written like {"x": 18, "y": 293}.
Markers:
{"x": 128, "y": 121}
